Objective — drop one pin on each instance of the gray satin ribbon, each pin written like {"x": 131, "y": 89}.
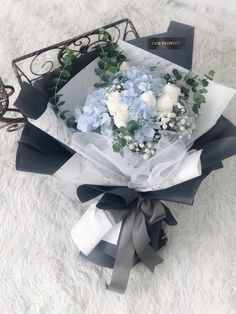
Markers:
{"x": 134, "y": 238}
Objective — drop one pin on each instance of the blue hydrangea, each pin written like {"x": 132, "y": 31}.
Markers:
{"x": 94, "y": 114}
{"x": 136, "y": 80}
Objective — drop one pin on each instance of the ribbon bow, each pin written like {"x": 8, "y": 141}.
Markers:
{"x": 136, "y": 210}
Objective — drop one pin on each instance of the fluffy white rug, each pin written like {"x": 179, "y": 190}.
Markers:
{"x": 40, "y": 269}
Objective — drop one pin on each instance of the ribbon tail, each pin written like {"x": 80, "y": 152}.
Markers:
{"x": 141, "y": 242}
{"x": 150, "y": 258}
{"x": 124, "y": 258}
{"x": 169, "y": 219}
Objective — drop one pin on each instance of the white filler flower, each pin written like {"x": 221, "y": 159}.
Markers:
{"x": 169, "y": 98}
{"x": 117, "y": 109}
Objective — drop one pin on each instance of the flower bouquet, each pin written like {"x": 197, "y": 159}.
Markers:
{"x": 132, "y": 131}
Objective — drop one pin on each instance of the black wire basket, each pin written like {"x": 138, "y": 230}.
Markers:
{"x": 34, "y": 66}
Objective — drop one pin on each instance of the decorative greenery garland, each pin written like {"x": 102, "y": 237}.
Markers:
{"x": 60, "y": 77}
{"x": 191, "y": 82}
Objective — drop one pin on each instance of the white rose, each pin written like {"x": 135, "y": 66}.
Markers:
{"x": 113, "y": 100}
{"x": 149, "y": 98}
{"x": 169, "y": 98}
{"x": 165, "y": 103}
{"x": 121, "y": 116}
{"x": 124, "y": 66}
{"x": 173, "y": 91}
{"x": 117, "y": 109}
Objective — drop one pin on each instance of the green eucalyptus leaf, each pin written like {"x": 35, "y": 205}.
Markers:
{"x": 121, "y": 58}
{"x": 132, "y": 126}
{"x": 205, "y": 83}
{"x": 198, "y": 98}
{"x": 211, "y": 73}
{"x": 102, "y": 84}
{"x": 61, "y": 103}
{"x": 113, "y": 68}
{"x": 56, "y": 72}
{"x": 101, "y": 64}
{"x": 98, "y": 71}
{"x": 54, "y": 81}
{"x": 62, "y": 115}
{"x": 97, "y": 130}
{"x": 195, "y": 108}
{"x": 122, "y": 141}
{"x": 185, "y": 90}
{"x": 115, "y": 45}
{"x": 105, "y": 78}
{"x": 116, "y": 147}
{"x": 56, "y": 109}
{"x": 190, "y": 81}
{"x": 122, "y": 130}
{"x": 167, "y": 77}
{"x": 65, "y": 73}
{"x": 177, "y": 75}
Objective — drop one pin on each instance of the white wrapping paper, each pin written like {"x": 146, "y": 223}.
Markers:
{"x": 96, "y": 163}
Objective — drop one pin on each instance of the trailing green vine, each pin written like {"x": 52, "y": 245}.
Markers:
{"x": 60, "y": 77}
{"x": 191, "y": 83}
{"x": 110, "y": 59}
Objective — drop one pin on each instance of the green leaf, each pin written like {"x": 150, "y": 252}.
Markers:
{"x": 56, "y": 72}
{"x": 167, "y": 77}
{"x": 198, "y": 98}
{"x": 97, "y": 130}
{"x": 102, "y": 30}
{"x": 132, "y": 126}
{"x": 122, "y": 141}
{"x": 56, "y": 109}
{"x": 54, "y": 81}
{"x": 185, "y": 90}
{"x": 71, "y": 123}
{"x": 202, "y": 90}
{"x": 208, "y": 77}
{"x": 116, "y": 147}
{"x": 122, "y": 130}
{"x": 98, "y": 71}
{"x": 54, "y": 99}
{"x": 211, "y": 73}
{"x": 115, "y": 45}
{"x": 101, "y": 64}
{"x": 205, "y": 83}
{"x": 113, "y": 69}
{"x": 177, "y": 75}
{"x": 61, "y": 103}
{"x": 66, "y": 73}
{"x": 195, "y": 108}
{"x": 105, "y": 77}
{"x": 99, "y": 85}
{"x": 121, "y": 58}
{"x": 191, "y": 82}
{"x": 67, "y": 62}
{"x": 62, "y": 116}
{"x": 113, "y": 53}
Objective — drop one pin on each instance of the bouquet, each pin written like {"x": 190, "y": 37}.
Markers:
{"x": 132, "y": 131}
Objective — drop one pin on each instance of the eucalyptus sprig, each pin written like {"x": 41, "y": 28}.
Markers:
{"x": 60, "y": 77}
{"x": 191, "y": 85}
{"x": 123, "y": 134}
{"x": 110, "y": 58}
